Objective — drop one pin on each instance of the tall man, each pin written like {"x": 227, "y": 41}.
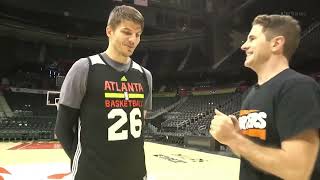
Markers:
{"x": 103, "y": 103}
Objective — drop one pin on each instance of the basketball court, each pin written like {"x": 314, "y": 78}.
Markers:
{"x": 46, "y": 160}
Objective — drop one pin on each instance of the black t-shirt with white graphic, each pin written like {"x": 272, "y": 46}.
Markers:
{"x": 279, "y": 109}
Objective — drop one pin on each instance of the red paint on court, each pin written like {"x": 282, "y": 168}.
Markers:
{"x": 58, "y": 176}
{"x": 4, "y": 171}
{"x": 19, "y": 146}
{"x": 37, "y": 145}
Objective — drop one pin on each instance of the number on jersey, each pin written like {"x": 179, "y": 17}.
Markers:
{"x": 135, "y": 124}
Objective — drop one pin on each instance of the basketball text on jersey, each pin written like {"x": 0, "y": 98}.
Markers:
{"x": 123, "y": 94}
{"x": 252, "y": 123}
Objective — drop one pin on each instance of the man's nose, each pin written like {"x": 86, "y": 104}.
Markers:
{"x": 244, "y": 46}
{"x": 132, "y": 39}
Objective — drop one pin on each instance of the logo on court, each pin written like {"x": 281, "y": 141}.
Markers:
{"x": 171, "y": 159}
{"x": 253, "y": 123}
{"x": 180, "y": 158}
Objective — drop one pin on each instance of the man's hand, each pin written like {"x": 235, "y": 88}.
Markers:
{"x": 235, "y": 122}
{"x": 223, "y": 127}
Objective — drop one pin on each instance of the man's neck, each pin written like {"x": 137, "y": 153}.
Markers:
{"x": 116, "y": 57}
{"x": 271, "y": 68}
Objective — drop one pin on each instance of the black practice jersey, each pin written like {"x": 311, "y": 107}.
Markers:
{"x": 110, "y": 146}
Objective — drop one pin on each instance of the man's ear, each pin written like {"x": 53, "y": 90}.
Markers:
{"x": 278, "y": 43}
{"x": 109, "y": 31}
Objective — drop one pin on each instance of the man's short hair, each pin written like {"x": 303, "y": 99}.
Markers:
{"x": 281, "y": 25}
{"x": 121, "y": 13}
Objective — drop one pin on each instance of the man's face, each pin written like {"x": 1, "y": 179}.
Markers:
{"x": 124, "y": 38}
{"x": 257, "y": 48}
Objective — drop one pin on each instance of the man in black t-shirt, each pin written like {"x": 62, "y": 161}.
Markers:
{"x": 102, "y": 106}
{"x": 277, "y": 132}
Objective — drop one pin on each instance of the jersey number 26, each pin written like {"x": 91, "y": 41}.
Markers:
{"x": 135, "y": 124}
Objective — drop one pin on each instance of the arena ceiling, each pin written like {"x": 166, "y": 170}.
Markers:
{"x": 89, "y": 17}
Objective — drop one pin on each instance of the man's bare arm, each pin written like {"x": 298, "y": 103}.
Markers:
{"x": 295, "y": 160}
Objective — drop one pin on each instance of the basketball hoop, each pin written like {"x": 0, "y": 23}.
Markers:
{"x": 53, "y": 98}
